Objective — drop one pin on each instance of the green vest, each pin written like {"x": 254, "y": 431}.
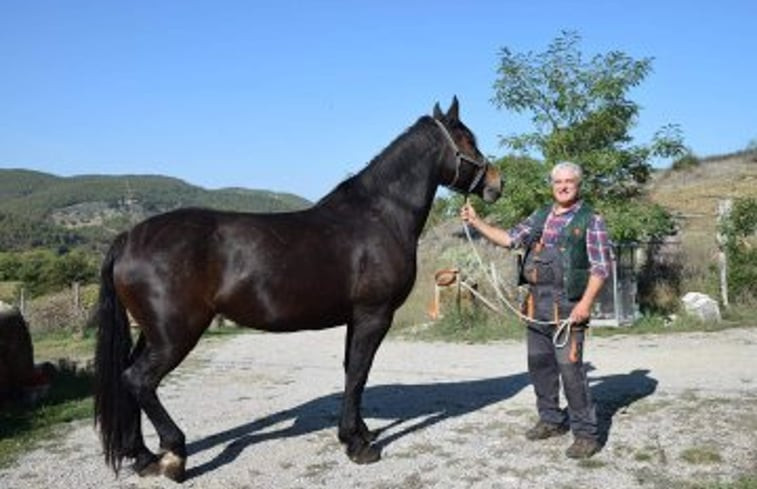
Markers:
{"x": 572, "y": 246}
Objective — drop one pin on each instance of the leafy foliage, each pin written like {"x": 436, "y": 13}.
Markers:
{"x": 581, "y": 113}
{"x": 525, "y": 188}
{"x": 43, "y": 271}
{"x": 738, "y": 228}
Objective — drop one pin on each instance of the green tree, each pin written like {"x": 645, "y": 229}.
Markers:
{"x": 581, "y": 112}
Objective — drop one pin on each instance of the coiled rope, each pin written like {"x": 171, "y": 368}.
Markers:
{"x": 560, "y": 337}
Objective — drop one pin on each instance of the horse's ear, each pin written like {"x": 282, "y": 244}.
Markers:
{"x": 453, "y": 113}
{"x": 438, "y": 114}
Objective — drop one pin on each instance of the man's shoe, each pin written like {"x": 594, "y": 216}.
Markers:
{"x": 543, "y": 430}
{"x": 583, "y": 448}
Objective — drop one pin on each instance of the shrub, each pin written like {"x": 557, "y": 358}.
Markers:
{"x": 739, "y": 229}
{"x": 686, "y": 161}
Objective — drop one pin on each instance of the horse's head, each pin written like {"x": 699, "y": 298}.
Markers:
{"x": 468, "y": 172}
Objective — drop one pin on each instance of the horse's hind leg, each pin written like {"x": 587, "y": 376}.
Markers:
{"x": 143, "y": 378}
{"x": 368, "y": 329}
{"x": 144, "y": 459}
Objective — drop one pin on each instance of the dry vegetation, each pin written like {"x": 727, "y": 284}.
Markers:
{"x": 692, "y": 194}
{"x": 446, "y": 246}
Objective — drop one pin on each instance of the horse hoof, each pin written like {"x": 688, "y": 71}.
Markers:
{"x": 364, "y": 453}
{"x": 146, "y": 465}
{"x": 173, "y": 466}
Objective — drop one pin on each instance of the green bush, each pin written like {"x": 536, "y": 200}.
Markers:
{"x": 739, "y": 229}
{"x": 42, "y": 271}
{"x": 689, "y": 160}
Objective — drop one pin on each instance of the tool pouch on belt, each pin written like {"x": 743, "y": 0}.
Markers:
{"x": 543, "y": 271}
{"x": 531, "y": 242}
{"x": 542, "y": 265}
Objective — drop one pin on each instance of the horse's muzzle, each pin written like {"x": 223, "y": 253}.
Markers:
{"x": 492, "y": 189}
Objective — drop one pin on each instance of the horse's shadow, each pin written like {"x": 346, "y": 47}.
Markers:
{"x": 613, "y": 393}
{"x": 418, "y": 405}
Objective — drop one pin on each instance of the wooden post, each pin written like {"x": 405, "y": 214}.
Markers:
{"x": 78, "y": 312}
{"x": 724, "y": 210}
{"x": 77, "y": 298}
{"x": 22, "y": 301}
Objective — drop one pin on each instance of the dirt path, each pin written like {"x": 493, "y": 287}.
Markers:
{"x": 261, "y": 411}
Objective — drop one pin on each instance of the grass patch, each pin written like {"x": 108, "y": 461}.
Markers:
{"x": 642, "y": 456}
{"x": 69, "y": 399}
{"x": 9, "y": 291}
{"x": 744, "y": 482}
{"x": 737, "y": 316}
{"x": 591, "y": 463}
{"x": 54, "y": 345}
{"x": 474, "y": 326}
{"x": 226, "y": 331}
{"x": 701, "y": 456}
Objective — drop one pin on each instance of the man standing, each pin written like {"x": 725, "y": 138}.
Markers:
{"x": 566, "y": 262}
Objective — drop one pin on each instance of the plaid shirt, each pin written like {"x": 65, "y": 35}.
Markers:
{"x": 597, "y": 241}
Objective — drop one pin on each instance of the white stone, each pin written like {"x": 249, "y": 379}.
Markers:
{"x": 702, "y": 306}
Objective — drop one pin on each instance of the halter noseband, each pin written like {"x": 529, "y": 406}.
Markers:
{"x": 460, "y": 158}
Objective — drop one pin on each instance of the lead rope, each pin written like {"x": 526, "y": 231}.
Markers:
{"x": 561, "y": 335}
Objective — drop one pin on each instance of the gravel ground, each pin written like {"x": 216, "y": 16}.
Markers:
{"x": 261, "y": 410}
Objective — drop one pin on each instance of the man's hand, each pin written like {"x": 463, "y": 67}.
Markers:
{"x": 580, "y": 313}
{"x": 468, "y": 214}
{"x": 582, "y": 310}
{"x": 492, "y": 233}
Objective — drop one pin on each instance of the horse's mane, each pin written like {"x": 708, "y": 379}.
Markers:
{"x": 389, "y": 160}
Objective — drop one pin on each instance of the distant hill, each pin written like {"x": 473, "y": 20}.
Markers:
{"x": 692, "y": 193}
{"x": 39, "y": 209}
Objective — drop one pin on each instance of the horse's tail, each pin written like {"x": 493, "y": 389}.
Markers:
{"x": 116, "y": 410}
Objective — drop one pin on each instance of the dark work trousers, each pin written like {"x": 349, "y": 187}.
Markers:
{"x": 548, "y": 365}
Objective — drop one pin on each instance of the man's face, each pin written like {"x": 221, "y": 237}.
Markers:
{"x": 565, "y": 187}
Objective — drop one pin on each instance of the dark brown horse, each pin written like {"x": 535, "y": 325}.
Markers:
{"x": 350, "y": 259}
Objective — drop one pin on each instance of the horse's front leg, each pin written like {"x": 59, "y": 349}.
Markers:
{"x": 365, "y": 433}
{"x": 364, "y": 337}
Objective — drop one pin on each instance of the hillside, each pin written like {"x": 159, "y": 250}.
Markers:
{"x": 692, "y": 194}
{"x": 39, "y": 209}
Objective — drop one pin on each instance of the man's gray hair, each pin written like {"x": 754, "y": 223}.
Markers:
{"x": 567, "y": 165}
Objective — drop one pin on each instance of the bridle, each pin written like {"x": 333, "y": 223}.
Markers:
{"x": 461, "y": 158}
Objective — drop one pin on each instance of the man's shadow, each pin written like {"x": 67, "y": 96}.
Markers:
{"x": 614, "y": 393}
{"x": 418, "y": 405}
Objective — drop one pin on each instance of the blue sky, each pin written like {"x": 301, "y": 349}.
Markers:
{"x": 294, "y": 96}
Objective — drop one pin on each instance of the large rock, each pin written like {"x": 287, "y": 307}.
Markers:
{"x": 16, "y": 354}
{"x": 702, "y": 306}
